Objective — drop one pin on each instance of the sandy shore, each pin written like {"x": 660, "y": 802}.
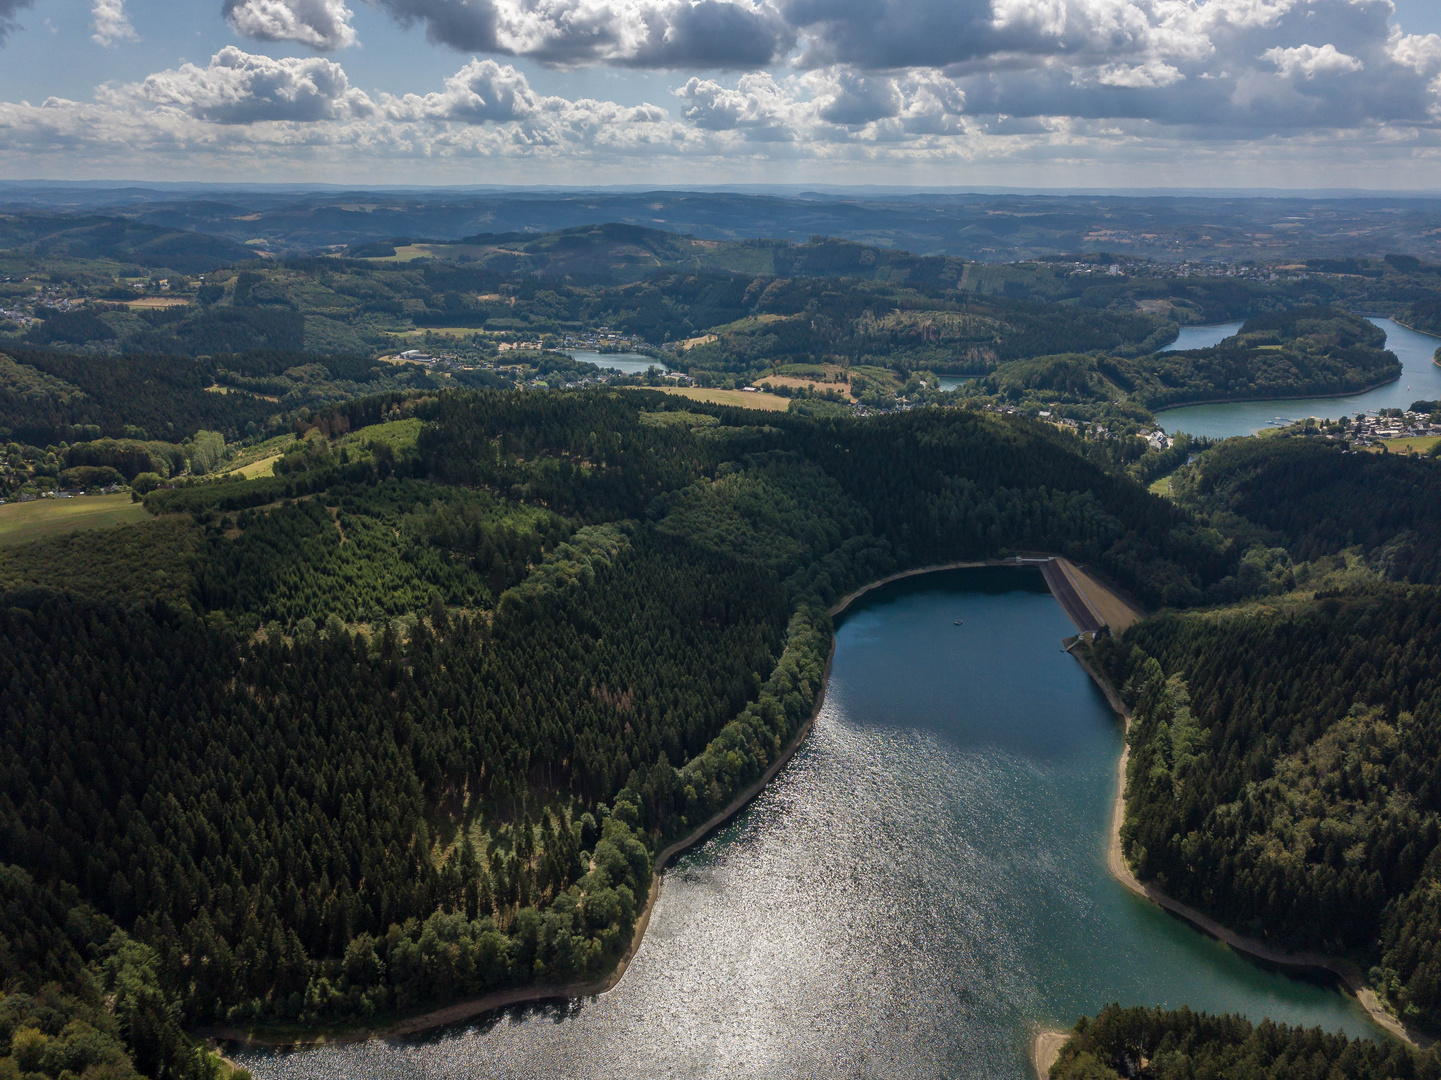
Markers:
{"x": 1346, "y": 972}
{"x": 1045, "y": 1049}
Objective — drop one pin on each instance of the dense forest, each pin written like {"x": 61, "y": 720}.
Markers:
{"x": 1313, "y": 500}
{"x": 408, "y": 719}
{"x": 404, "y": 711}
{"x": 1155, "y": 1044}
{"x": 1283, "y": 775}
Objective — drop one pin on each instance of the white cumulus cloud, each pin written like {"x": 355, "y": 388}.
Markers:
{"x": 110, "y": 23}
{"x": 323, "y": 25}
{"x": 237, "y": 87}
{"x": 1420, "y": 52}
{"x": 1147, "y": 76}
{"x": 1309, "y": 61}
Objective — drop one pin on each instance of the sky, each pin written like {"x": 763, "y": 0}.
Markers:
{"x": 1292, "y": 94}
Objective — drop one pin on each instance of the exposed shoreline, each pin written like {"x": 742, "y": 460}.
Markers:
{"x": 1046, "y": 1048}
{"x": 521, "y": 995}
{"x": 1288, "y": 397}
{"x": 1347, "y": 973}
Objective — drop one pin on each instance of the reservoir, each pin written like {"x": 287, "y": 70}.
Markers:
{"x": 1420, "y": 381}
{"x": 630, "y": 363}
{"x": 1203, "y": 337}
{"x": 921, "y": 887}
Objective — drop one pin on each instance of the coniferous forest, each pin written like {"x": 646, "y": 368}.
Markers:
{"x": 398, "y": 679}
{"x": 410, "y": 724}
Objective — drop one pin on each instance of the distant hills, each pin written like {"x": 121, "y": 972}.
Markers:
{"x": 983, "y": 227}
{"x": 618, "y": 252}
{"x": 119, "y": 239}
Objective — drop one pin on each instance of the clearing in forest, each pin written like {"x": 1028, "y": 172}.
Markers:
{"x": 23, "y": 522}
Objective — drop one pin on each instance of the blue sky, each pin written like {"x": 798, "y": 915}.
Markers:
{"x": 1034, "y": 93}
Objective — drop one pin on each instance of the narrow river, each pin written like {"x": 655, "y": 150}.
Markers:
{"x": 922, "y": 886}
{"x": 1420, "y": 381}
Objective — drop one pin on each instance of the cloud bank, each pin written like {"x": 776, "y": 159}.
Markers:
{"x": 910, "y": 82}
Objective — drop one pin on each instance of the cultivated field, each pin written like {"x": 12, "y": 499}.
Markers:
{"x": 158, "y": 302}
{"x": 1419, "y": 445}
{"x": 22, "y": 522}
{"x": 765, "y": 402}
{"x": 796, "y": 382}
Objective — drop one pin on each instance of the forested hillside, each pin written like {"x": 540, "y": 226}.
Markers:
{"x": 1155, "y": 1044}
{"x": 1315, "y": 501}
{"x": 1288, "y": 354}
{"x": 1284, "y": 778}
{"x": 409, "y": 724}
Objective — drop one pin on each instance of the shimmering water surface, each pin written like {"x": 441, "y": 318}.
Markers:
{"x": 1203, "y": 337}
{"x": 630, "y": 363}
{"x": 922, "y": 886}
{"x": 1420, "y": 381}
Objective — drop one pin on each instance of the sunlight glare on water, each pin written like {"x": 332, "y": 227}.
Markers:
{"x": 920, "y": 888}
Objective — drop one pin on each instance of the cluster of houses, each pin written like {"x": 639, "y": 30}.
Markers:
{"x": 594, "y": 339}
{"x": 1166, "y": 269}
{"x": 63, "y": 493}
{"x": 1390, "y": 424}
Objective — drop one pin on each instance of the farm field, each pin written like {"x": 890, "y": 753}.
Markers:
{"x": 23, "y": 522}
{"x": 764, "y": 402}
{"x": 796, "y": 382}
{"x": 1421, "y": 444}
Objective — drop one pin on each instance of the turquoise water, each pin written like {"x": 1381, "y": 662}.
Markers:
{"x": 922, "y": 886}
{"x": 630, "y": 363}
{"x": 1203, "y": 337}
{"x": 1420, "y": 380}
{"x": 954, "y": 382}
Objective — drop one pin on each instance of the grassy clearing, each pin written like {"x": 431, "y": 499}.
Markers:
{"x": 266, "y": 451}
{"x": 158, "y": 302}
{"x": 410, "y": 252}
{"x": 1162, "y": 486}
{"x": 796, "y": 382}
{"x": 218, "y": 389}
{"x": 763, "y": 402}
{"x": 441, "y": 331}
{"x": 23, "y": 522}
{"x": 399, "y": 435}
{"x": 751, "y": 322}
{"x": 1421, "y": 444}
{"x": 259, "y": 467}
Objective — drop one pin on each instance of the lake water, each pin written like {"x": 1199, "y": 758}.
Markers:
{"x": 628, "y": 362}
{"x": 954, "y": 382}
{"x": 1203, "y": 337}
{"x": 922, "y": 886}
{"x": 1420, "y": 381}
